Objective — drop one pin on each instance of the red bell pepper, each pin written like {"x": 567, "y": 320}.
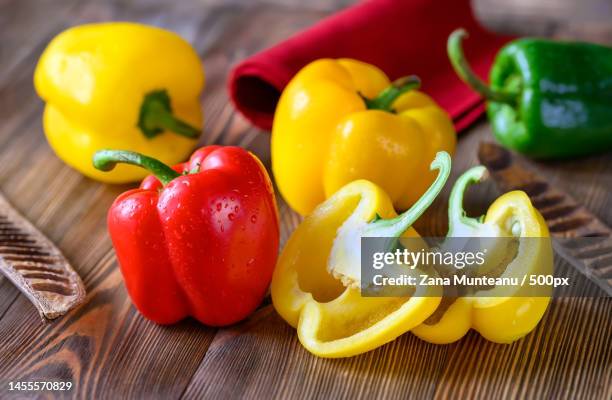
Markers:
{"x": 198, "y": 240}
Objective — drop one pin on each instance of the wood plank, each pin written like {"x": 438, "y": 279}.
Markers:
{"x": 109, "y": 351}
{"x": 568, "y": 364}
{"x": 19, "y": 40}
{"x": 265, "y": 354}
{"x": 576, "y": 20}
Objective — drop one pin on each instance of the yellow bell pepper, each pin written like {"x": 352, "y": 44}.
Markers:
{"x": 512, "y": 315}
{"x": 342, "y": 120}
{"x": 122, "y": 86}
{"x": 316, "y": 283}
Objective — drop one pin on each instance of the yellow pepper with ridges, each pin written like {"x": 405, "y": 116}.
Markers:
{"x": 316, "y": 283}
{"x": 122, "y": 86}
{"x": 342, "y": 120}
{"x": 505, "y": 316}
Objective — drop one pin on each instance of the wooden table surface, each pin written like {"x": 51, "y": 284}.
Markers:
{"x": 109, "y": 351}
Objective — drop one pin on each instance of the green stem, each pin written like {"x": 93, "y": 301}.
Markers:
{"x": 465, "y": 72}
{"x": 397, "y": 226}
{"x": 457, "y": 218}
{"x": 106, "y": 160}
{"x": 156, "y": 117}
{"x": 384, "y": 101}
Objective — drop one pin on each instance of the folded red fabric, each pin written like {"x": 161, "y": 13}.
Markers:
{"x": 401, "y": 37}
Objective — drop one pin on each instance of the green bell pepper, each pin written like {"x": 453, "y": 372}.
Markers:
{"x": 547, "y": 99}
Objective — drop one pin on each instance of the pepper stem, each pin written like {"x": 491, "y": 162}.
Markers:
{"x": 106, "y": 160}
{"x": 457, "y": 218}
{"x": 156, "y": 116}
{"x": 397, "y": 226}
{"x": 384, "y": 101}
{"x": 465, "y": 72}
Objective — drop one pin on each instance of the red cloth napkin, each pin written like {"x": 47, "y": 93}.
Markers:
{"x": 402, "y": 37}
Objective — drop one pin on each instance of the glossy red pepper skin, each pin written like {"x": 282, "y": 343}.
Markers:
{"x": 205, "y": 245}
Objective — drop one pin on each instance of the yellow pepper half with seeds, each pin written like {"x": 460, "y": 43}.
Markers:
{"x": 505, "y": 314}
{"x": 316, "y": 283}
{"x": 342, "y": 120}
{"x": 120, "y": 86}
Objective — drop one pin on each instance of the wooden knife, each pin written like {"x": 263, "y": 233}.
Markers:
{"x": 36, "y": 266}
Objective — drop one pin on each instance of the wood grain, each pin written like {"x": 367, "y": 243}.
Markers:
{"x": 108, "y": 351}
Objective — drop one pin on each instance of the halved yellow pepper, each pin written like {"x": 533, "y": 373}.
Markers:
{"x": 342, "y": 120}
{"x": 506, "y": 318}
{"x": 315, "y": 286}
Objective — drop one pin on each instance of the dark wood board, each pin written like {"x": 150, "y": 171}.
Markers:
{"x": 109, "y": 351}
